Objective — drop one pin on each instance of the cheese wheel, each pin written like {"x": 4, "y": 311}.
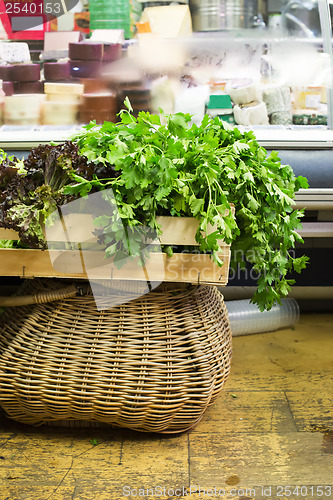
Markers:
{"x": 73, "y": 99}
{"x": 59, "y": 113}
{"x": 243, "y": 91}
{"x": 277, "y": 99}
{"x": 28, "y": 87}
{"x": 93, "y": 85}
{"x": 25, "y": 72}
{"x": 21, "y": 108}
{"x": 56, "y": 71}
{"x": 112, "y": 52}
{"x": 99, "y": 102}
{"x": 254, "y": 113}
{"x": 8, "y": 88}
{"x": 85, "y": 51}
{"x": 63, "y": 88}
{"x": 6, "y": 72}
{"x": 99, "y": 116}
{"x": 85, "y": 69}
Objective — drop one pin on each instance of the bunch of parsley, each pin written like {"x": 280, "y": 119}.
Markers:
{"x": 167, "y": 165}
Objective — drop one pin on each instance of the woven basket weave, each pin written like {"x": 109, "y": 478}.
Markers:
{"x": 153, "y": 364}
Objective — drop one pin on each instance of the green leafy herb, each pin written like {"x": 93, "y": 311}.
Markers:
{"x": 165, "y": 165}
{"x": 168, "y": 166}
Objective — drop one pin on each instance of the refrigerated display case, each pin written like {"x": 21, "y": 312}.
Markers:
{"x": 274, "y": 59}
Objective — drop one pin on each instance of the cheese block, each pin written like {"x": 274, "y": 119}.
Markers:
{"x": 112, "y": 52}
{"x": 168, "y": 21}
{"x": 243, "y": 90}
{"x": 8, "y": 88}
{"x": 85, "y": 51}
{"x": 85, "y": 69}
{"x": 104, "y": 101}
{"x": 254, "y": 113}
{"x": 59, "y": 40}
{"x": 56, "y": 71}
{"x": 99, "y": 116}
{"x": 63, "y": 88}
{"x": 25, "y": 72}
{"x": 6, "y": 72}
{"x": 14, "y": 52}
{"x": 28, "y": 87}
{"x": 93, "y": 85}
{"x": 59, "y": 113}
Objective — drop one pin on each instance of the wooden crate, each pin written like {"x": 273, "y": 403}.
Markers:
{"x": 92, "y": 264}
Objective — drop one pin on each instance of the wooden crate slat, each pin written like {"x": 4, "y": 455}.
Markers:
{"x": 176, "y": 230}
{"x": 92, "y": 264}
{"x": 181, "y": 267}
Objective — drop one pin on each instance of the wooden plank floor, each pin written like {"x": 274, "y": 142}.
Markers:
{"x": 268, "y": 436}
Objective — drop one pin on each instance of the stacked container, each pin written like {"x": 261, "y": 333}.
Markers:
{"x": 115, "y": 14}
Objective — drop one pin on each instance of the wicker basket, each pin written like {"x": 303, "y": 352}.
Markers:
{"x": 153, "y": 364}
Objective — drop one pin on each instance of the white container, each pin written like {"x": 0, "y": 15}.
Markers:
{"x": 246, "y": 318}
